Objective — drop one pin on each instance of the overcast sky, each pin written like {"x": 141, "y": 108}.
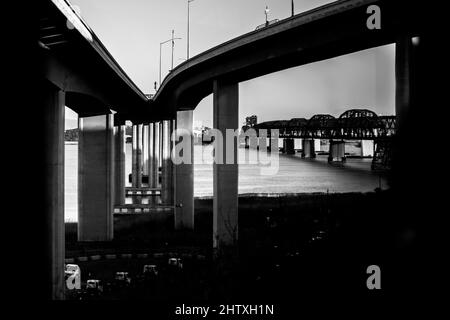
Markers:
{"x": 132, "y": 31}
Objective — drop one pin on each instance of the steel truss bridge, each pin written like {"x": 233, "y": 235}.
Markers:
{"x": 354, "y": 124}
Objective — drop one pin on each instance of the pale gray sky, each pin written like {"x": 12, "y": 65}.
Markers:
{"x": 132, "y": 30}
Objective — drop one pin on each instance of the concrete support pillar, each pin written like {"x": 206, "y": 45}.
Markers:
{"x": 403, "y": 78}
{"x": 253, "y": 141}
{"x": 225, "y": 176}
{"x": 308, "y": 148}
{"x": 298, "y": 144}
{"x": 157, "y": 152}
{"x": 136, "y": 169}
{"x": 139, "y": 156}
{"x": 151, "y": 163}
{"x": 119, "y": 164}
{"x": 161, "y": 144}
{"x": 288, "y": 146}
{"x": 262, "y": 143}
{"x": 95, "y": 178}
{"x": 145, "y": 149}
{"x": 53, "y": 101}
{"x": 367, "y": 148}
{"x": 246, "y": 142}
{"x": 167, "y": 185}
{"x": 184, "y": 173}
{"x": 134, "y": 145}
{"x": 317, "y": 145}
{"x": 273, "y": 141}
{"x": 337, "y": 151}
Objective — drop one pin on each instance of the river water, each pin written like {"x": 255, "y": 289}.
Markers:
{"x": 295, "y": 175}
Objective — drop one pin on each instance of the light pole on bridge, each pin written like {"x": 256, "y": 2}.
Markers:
{"x": 267, "y": 13}
{"x": 188, "y": 13}
{"x": 160, "y": 51}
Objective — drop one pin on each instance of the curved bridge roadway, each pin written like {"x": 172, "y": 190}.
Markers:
{"x": 335, "y": 29}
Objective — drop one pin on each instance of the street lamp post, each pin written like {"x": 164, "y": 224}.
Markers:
{"x": 160, "y": 51}
{"x": 188, "y": 5}
{"x": 267, "y": 12}
{"x": 292, "y": 8}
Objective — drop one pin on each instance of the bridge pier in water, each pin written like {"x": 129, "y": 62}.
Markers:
{"x": 337, "y": 151}
{"x": 367, "y": 148}
{"x": 95, "y": 178}
{"x": 288, "y": 146}
{"x": 308, "y": 148}
{"x": 184, "y": 175}
{"x": 225, "y": 176}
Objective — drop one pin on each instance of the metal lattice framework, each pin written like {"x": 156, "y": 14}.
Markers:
{"x": 357, "y": 124}
{"x": 353, "y": 124}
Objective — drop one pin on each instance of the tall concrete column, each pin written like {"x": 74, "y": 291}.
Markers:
{"x": 225, "y": 176}
{"x": 157, "y": 150}
{"x": 308, "y": 148}
{"x": 184, "y": 173}
{"x": 139, "y": 141}
{"x": 145, "y": 149}
{"x": 134, "y": 145}
{"x": 95, "y": 178}
{"x": 403, "y": 77}
{"x": 161, "y": 144}
{"x": 262, "y": 143}
{"x": 119, "y": 164}
{"x": 337, "y": 151}
{"x": 167, "y": 185}
{"x": 53, "y": 101}
{"x": 151, "y": 164}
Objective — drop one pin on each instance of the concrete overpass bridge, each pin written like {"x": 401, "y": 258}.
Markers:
{"x": 77, "y": 71}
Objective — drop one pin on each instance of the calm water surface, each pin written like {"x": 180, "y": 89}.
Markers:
{"x": 295, "y": 175}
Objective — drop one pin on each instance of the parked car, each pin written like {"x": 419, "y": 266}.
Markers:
{"x": 176, "y": 262}
{"x": 150, "y": 270}
{"x": 94, "y": 286}
{"x": 122, "y": 278}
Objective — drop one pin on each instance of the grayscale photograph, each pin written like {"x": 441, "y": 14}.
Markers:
{"x": 229, "y": 159}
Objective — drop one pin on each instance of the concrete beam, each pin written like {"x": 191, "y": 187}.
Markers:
{"x": 53, "y": 108}
{"x": 225, "y": 183}
{"x": 184, "y": 174}
{"x": 95, "y": 178}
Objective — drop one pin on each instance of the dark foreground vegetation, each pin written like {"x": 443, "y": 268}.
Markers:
{"x": 290, "y": 247}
